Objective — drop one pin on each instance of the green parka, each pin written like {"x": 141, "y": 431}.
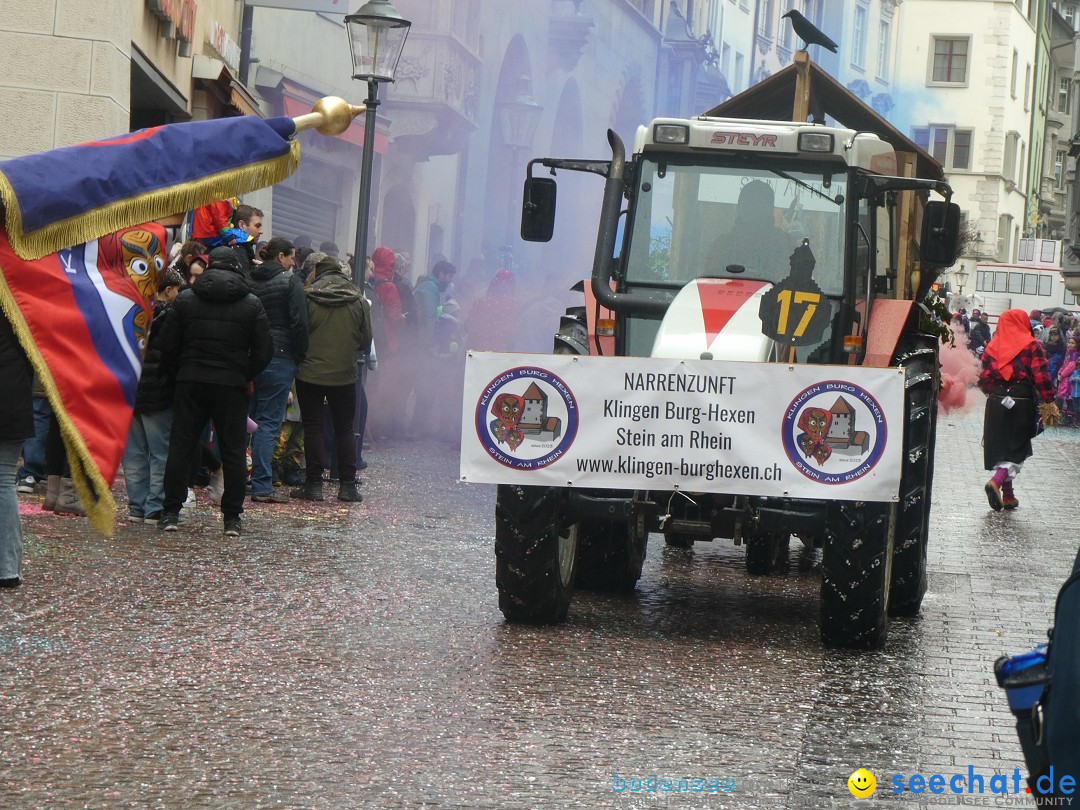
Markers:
{"x": 339, "y": 327}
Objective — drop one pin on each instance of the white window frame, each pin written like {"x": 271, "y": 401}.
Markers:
{"x": 884, "y": 48}
{"x": 934, "y": 40}
{"x": 858, "y": 35}
{"x": 948, "y": 160}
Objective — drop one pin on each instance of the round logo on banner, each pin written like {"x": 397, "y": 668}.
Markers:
{"x": 834, "y": 432}
{"x": 526, "y": 418}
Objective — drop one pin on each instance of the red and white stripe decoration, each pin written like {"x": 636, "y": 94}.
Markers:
{"x": 715, "y": 315}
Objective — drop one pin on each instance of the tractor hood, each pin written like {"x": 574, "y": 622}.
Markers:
{"x": 715, "y": 315}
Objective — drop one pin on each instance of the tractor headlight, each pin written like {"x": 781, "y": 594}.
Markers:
{"x": 815, "y": 142}
{"x": 671, "y": 133}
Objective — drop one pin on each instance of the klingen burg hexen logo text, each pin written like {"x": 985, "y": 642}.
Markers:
{"x": 526, "y": 418}
{"x": 834, "y": 432}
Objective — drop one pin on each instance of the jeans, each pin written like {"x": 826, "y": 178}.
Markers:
{"x": 193, "y": 404}
{"x": 361, "y": 411}
{"x": 11, "y": 541}
{"x": 34, "y": 449}
{"x": 144, "y": 460}
{"x": 342, "y": 402}
{"x": 272, "y": 389}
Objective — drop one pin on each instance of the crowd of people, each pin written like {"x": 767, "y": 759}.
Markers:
{"x": 257, "y": 372}
{"x": 1059, "y": 337}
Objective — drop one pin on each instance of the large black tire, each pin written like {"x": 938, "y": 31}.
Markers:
{"x": 918, "y": 354}
{"x": 765, "y": 551}
{"x": 535, "y": 554}
{"x": 856, "y": 573}
{"x": 611, "y": 554}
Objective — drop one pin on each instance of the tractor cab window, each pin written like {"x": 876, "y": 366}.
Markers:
{"x": 693, "y": 221}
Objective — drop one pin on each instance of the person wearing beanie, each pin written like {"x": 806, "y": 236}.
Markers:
{"x": 216, "y": 340}
{"x": 339, "y": 332}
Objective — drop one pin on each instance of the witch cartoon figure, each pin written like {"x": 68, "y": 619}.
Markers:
{"x": 507, "y": 410}
{"x": 814, "y": 422}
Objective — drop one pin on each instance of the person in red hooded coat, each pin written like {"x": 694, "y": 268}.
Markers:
{"x": 1014, "y": 377}
{"x": 393, "y": 317}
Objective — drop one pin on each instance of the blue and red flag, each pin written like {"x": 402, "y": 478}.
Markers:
{"x": 78, "y": 272}
{"x": 77, "y": 193}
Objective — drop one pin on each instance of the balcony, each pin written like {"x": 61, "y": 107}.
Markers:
{"x": 568, "y": 34}
{"x": 434, "y": 95}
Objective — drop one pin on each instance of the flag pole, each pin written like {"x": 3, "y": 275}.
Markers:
{"x": 330, "y": 116}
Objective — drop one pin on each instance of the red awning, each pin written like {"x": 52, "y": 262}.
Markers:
{"x": 354, "y": 134}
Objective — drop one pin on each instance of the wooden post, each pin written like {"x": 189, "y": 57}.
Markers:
{"x": 906, "y": 223}
{"x": 801, "y": 110}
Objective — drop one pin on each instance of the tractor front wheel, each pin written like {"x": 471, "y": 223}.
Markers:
{"x": 535, "y": 554}
{"x": 856, "y": 571}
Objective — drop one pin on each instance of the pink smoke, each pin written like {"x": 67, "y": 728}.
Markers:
{"x": 959, "y": 372}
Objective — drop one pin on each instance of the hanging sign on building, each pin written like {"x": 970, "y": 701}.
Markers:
{"x": 225, "y": 45}
{"x": 177, "y": 19}
{"x": 322, "y": 6}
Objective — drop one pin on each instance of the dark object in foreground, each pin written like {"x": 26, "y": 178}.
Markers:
{"x": 1042, "y": 688}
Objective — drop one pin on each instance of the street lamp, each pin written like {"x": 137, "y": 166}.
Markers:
{"x": 377, "y": 35}
{"x": 518, "y": 117}
{"x": 961, "y": 278}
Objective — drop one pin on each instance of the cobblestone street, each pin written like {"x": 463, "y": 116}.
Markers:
{"x": 354, "y": 656}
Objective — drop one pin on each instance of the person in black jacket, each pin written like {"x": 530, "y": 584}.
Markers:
{"x": 217, "y": 338}
{"x": 16, "y": 425}
{"x": 148, "y": 439}
{"x": 282, "y": 296}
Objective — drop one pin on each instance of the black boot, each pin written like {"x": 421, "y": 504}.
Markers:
{"x": 310, "y": 491}
{"x": 347, "y": 491}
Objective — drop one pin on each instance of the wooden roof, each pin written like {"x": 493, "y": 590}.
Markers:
{"x": 774, "y": 98}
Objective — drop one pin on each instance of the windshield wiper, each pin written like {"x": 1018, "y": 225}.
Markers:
{"x": 807, "y": 186}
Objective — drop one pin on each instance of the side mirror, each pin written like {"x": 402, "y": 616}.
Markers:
{"x": 538, "y": 209}
{"x": 940, "y": 234}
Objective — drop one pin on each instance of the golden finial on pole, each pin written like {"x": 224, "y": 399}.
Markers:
{"x": 330, "y": 116}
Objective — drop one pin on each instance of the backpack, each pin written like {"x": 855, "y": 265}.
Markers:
{"x": 1042, "y": 687}
{"x": 408, "y": 305}
{"x": 378, "y": 324}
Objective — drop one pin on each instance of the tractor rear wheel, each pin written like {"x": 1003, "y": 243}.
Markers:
{"x": 765, "y": 551}
{"x": 535, "y": 554}
{"x": 679, "y": 539}
{"x": 611, "y": 554}
{"x": 918, "y": 354}
{"x": 856, "y": 571}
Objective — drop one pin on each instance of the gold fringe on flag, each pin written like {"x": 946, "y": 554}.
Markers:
{"x": 143, "y": 208}
{"x": 84, "y": 472}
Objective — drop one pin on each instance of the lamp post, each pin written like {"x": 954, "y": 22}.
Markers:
{"x": 961, "y": 278}
{"x": 377, "y": 35}
{"x": 519, "y": 116}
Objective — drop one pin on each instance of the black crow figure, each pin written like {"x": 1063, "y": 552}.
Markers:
{"x": 808, "y": 32}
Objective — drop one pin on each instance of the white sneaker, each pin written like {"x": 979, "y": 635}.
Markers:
{"x": 216, "y": 488}
{"x": 190, "y": 502}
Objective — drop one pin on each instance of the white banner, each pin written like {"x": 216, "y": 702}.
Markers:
{"x": 805, "y": 431}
